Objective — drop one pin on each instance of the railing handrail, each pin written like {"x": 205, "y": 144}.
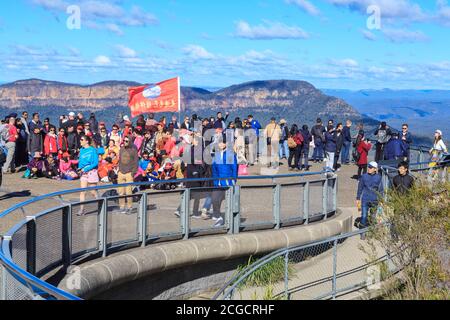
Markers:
{"x": 150, "y": 183}
{"x": 32, "y": 281}
{"x": 237, "y": 279}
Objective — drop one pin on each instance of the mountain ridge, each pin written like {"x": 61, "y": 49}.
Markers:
{"x": 268, "y": 95}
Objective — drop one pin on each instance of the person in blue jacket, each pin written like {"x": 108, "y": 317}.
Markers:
{"x": 255, "y": 126}
{"x": 370, "y": 188}
{"x": 225, "y": 166}
{"x": 87, "y": 169}
{"x": 395, "y": 149}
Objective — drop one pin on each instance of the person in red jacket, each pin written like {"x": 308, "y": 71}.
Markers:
{"x": 51, "y": 143}
{"x": 363, "y": 149}
{"x": 63, "y": 144}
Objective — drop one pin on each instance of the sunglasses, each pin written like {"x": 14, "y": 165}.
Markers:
{"x": 126, "y": 141}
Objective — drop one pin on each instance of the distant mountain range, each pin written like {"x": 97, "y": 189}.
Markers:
{"x": 267, "y": 96}
{"x": 424, "y": 110}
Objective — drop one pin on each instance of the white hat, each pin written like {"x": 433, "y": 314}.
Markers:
{"x": 373, "y": 164}
{"x": 126, "y": 118}
{"x": 439, "y": 132}
{"x": 72, "y": 114}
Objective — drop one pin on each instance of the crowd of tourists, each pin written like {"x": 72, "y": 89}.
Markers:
{"x": 171, "y": 150}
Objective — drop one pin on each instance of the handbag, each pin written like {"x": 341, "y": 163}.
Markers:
{"x": 243, "y": 170}
{"x": 291, "y": 143}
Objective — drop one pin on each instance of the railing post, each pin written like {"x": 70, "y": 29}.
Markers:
{"x": 325, "y": 198}
{"x": 103, "y": 228}
{"x": 229, "y": 210}
{"x": 286, "y": 275}
{"x": 67, "y": 236}
{"x": 306, "y": 202}
{"x": 334, "y": 268}
{"x": 142, "y": 216}
{"x": 3, "y": 282}
{"x": 31, "y": 245}
{"x": 184, "y": 213}
{"x": 276, "y": 206}
{"x": 236, "y": 209}
{"x": 335, "y": 191}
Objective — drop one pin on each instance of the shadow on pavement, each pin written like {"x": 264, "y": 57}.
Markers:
{"x": 18, "y": 194}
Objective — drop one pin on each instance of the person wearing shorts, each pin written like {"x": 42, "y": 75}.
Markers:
{"x": 87, "y": 169}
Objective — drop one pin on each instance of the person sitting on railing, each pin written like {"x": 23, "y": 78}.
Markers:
{"x": 403, "y": 182}
{"x": 370, "y": 188}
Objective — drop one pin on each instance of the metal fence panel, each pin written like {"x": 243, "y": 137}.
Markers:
{"x": 85, "y": 238}
{"x": 256, "y": 206}
{"x": 122, "y": 227}
{"x": 49, "y": 240}
{"x": 19, "y": 247}
{"x": 162, "y": 209}
{"x": 291, "y": 203}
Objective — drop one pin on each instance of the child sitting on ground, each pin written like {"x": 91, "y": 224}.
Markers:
{"x": 51, "y": 170}
{"x": 67, "y": 167}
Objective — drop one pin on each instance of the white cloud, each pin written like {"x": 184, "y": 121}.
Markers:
{"x": 306, "y": 6}
{"x": 125, "y": 52}
{"x": 443, "y": 13}
{"x": 114, "y": 28}
{"x": 347, "y": 63}
{"x": 269, "y": 31}
{"x": 197, "y": 52}
{"x": 390, "y": 9}
{"x": 103, "y": 15}
{"x": 404, "y": 36}
{"x": 43, "y": 67}
{"x": 102, "y": 61}
{"x": 369, "y": 35}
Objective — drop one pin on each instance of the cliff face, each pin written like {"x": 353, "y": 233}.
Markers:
{"x": 297, "y": 96}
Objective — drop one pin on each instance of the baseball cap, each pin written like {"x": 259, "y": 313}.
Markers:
{"x": 439, "y": 132}
{"x": 373, "y": 164}
{"x": 72, "y": 114}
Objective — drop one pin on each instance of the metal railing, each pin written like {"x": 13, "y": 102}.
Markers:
{"x": 48, "y": 242}
{"x": 324, "y": 269}
{"x": 337, "y": 272}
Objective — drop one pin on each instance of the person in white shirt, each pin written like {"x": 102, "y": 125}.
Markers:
{"x": 438, "y": 150}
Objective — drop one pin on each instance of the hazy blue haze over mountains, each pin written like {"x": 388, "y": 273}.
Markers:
{"x": 424, "y": 110}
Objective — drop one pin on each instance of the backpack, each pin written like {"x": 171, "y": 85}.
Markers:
{"x": 4, "y": 134}
{"x": 383, "y": 136}
{"x": 356, "y": 155}
{"x": 3, "y": 153}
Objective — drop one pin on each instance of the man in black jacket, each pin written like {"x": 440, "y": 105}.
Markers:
{"x": 346, "y": 133}
{"x": 339, "y": 144}
{"x": 319, "y": 139}
{"x": 403, "y": 182}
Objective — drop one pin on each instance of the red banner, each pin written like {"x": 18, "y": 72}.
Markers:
{"x": 155, "y": 98}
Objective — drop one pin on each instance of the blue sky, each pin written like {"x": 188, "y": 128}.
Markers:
{"x": 220, "y": 43}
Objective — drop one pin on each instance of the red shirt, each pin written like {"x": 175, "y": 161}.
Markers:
{"x": 12, "y": 133}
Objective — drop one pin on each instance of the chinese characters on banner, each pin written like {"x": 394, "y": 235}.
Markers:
{"x": 155, "y": 98}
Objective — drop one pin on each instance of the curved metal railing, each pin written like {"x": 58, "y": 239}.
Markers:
{"x": 283, "y": 289}
{"x": 47, "y": 242}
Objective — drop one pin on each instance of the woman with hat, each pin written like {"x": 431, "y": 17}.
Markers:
{"x": 438, "y": 150}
